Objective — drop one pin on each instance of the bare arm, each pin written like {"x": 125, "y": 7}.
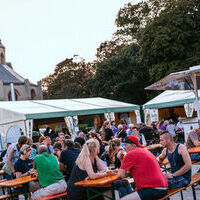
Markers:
{"x": 91, "y": 174}
{"x": 196, "y": 143}
{"x": 186, "y": 159}
{"x": 122, "y": 173}
{"x": 99, "y": 165}
{"x": 19, "y": 174}
{"x": 9, "y": 160}
{"x": 162, "y": 156}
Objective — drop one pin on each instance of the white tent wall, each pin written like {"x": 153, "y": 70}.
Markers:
{"x": 7, "y": 116}
{"x": 5, "y": 127}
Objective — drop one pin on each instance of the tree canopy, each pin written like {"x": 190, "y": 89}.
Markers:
{"x": 154, "y": 38}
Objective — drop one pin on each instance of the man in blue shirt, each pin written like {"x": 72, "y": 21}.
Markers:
{"x": 68, "y": 158}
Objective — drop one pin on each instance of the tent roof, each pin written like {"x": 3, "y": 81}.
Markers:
{"x": 40, "y": 109}
{"x": 171, "y": 98}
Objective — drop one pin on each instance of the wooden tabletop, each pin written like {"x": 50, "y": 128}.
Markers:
{"x": 194, "y": 150}
{"x": 98, "y": 182}
{"x": 153, "y": 146}
{"x": 18, "y": 181}
{"x": 164, "y": 162}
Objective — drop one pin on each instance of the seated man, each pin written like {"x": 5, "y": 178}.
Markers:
{"x": 179, "y": 160}
{"x": 68, "y": 157}
{"x": 51, "y": 180}
{"x": 150, "y": 182}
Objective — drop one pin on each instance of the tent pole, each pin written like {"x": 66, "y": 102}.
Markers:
{"x": 194, "y": 79}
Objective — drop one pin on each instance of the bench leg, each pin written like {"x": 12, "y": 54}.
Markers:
{"x": 194, "y": 193}
{"x": 181, "y": 195}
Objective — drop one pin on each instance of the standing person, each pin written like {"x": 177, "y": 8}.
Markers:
{"x": 179, "y": 160}
{"x": 107, "y": 133}
{"x": 80, "y": 138}
{"x": 51, "y": 181}
{"x": 88, "y": 166}
{"x": 150, "y": 182}
{"x": 114, "y": 129}
{"x": 121, "y": 133}
{"x": 68, "y": 157}
{"x": 11, "y": 157}
{"x": 171, "y": 128}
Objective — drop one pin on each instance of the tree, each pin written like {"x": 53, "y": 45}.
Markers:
{"x": 121, "y": 77}
{"x": 68, "y": 80}
{"x": 131, "y": 19}
{"x": 171, "y": 41}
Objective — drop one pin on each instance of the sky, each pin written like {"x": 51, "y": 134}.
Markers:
{"x": 38, "y": 34}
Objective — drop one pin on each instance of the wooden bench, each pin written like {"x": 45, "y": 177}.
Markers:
{"x": 195, "y": 179}
{"x": 56, "y": 196}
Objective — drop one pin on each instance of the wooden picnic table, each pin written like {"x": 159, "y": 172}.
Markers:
{"x": 164, "y": 162}
{"x": 18, "y": 182}
{"x": 153, "y": 146}
{"x": 194, "y": 150}
{"x": 100, "y": 182}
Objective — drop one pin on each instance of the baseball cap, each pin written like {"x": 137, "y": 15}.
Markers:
{"x": 131, "y": 139}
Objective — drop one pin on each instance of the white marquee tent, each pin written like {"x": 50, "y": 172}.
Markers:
{"x": 22, "y": 113}
{"x": 170, "y": 98}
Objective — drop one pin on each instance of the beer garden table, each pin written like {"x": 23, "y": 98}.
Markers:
{"x": 96, "y": 183}
{"x": 194, "y": 150}
{"x": 19, "y": 181}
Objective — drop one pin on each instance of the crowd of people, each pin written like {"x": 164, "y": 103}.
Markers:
{"x": 60, "y": 161}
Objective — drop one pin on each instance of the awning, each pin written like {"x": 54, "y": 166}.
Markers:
{"x": 40, "y": 109}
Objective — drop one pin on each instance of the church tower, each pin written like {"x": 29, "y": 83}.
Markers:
{"x": 2, "y": 54}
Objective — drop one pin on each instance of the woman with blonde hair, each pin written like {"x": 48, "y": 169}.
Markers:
{"x": 88, "y": 166}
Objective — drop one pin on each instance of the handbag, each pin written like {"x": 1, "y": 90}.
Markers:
{"x": 7, "y": 169}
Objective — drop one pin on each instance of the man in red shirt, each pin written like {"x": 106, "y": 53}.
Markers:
{"x": 150, "y": 182}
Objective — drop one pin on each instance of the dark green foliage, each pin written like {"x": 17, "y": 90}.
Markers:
{"x": 154, "y": 38}
{"x": 171, "y": 42}
{"x": 68, "y": 80}
{"x": 121, "y": 77}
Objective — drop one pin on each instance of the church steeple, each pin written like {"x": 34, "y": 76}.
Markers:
{"x": 2, "y": 54}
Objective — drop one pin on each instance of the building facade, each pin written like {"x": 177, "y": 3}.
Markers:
{"x": 12, "y": 85}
